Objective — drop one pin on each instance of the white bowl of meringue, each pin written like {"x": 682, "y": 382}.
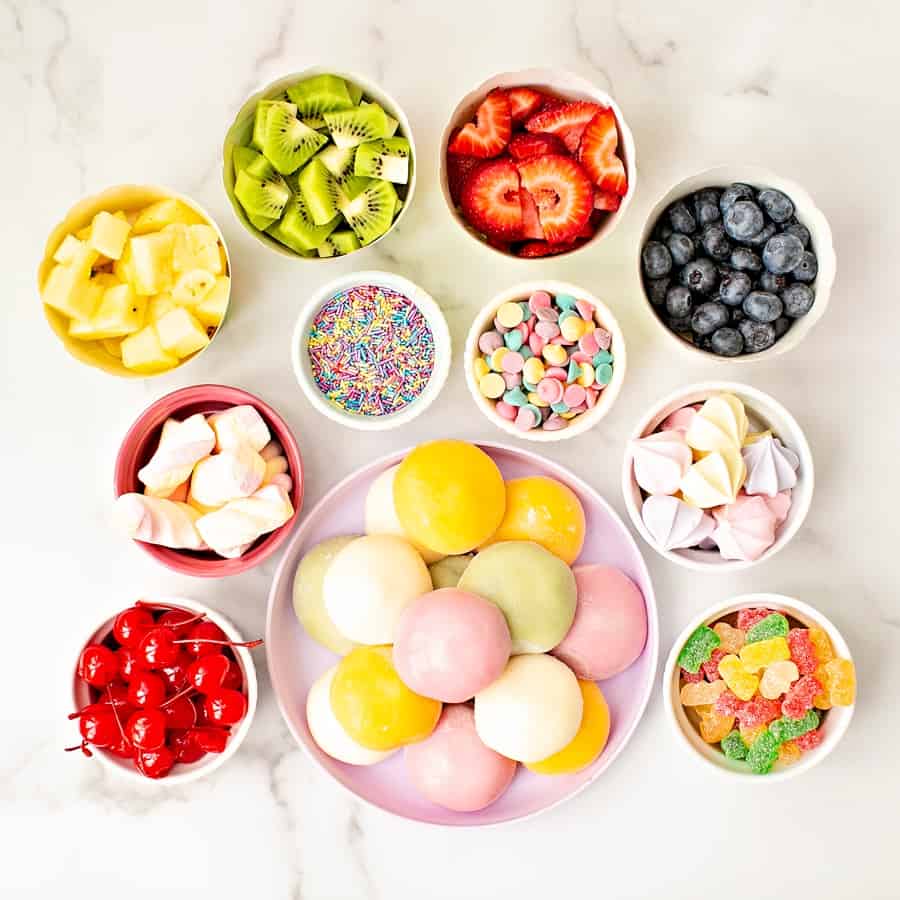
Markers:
{"x": 718, "y": 476}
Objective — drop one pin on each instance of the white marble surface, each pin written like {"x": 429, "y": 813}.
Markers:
{"x": 97, "y": 92}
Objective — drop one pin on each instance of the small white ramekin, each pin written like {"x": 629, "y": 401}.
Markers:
{"x": 807, "y": 213}
{"x": 442, "y": 350}
{"x": 182, "y": 773}
{"x": 604, "y": 316}
{"x": 763, "y": 411}
{"x": 835, "y": 721}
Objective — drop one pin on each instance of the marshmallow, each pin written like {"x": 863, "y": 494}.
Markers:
{"x": 271, "y": 450}
{"x": 181, "y": 446}
{"x": 275, "y": 465}
{"x": 284, "y": 481}
{"x": 179, "y": 493}
{"x": 156, "y": 520}
{"x": 240, "y": 425}
{"x": 231, "y": 529}
{"x": 226, "y": 476}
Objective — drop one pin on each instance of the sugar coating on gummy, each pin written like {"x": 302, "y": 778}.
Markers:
{"x": 803, "y": 653}
{"x": 740, "y": 681}
{"x": 733, "y": 746}
{"x": 698, "y": 648}
{"x": 732, "y": 638}
{"x": 773, "y": 625}
{"x": 810, "y": 740}
{"x": 758, "y": 712}
{"x": 787, "y": 729}
{"x": 763, "y": 653}
{"x": 710, "y": 668}
{"x": 747, "y": 618}
{"x": 800, "y": 697}
{"x": 763, "y": 753}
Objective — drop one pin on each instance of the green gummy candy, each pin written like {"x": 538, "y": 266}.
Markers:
{"x": 698, "y": 649}
{"x": 513, "y": 339}
{"x": 733, "y": 745}
{"x": 601, "y": 357}
{"x": 565, "y": 301}
{"x": 786, "y": 729}
{"x": 762, "y": 753}
{"x": 515, "y": 397}
{"x": 603, "y": 373}
{"x": 774, "y": 625}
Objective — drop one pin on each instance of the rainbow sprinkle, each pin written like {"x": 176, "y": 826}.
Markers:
{"x": 371, "y": 350}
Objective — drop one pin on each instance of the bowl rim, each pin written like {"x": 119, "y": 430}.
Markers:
{"x": 651, "y": 646}
{"x": 546, "y": 77}
{"x": 824, "y": 245}
{"x": 797, "y": 513}
{"x": 178, "y": 560}
{"x": 79, "y": 211}
{"x": 429, "y": 307}
{"x": 370, "y": 88}
{"x": 210, "y": 762}
{"x": 610, "y": 393}
{"x": 713, "y": 760}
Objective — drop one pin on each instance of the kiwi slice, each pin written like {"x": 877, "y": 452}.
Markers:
{"x": 241, "y": 157}
{"x": 260, "y": 117}
{"x": 339, "y": 162}
{"x": 297, "y": 229}
{"x": 338, "y": 243}
{"x": 320, "y": 192}
{"x": 351, "y": 127}
{"x": 387, "y": 159}
{"x": 354, "y": 92}
{"x": 315, "y": 122}
{"x": 392, "y": 123}
{"x": 371, "y": 212}
{"x": 288, "y": 143}
{"x": 261, "y": 193}
{"x": 320, "y": 94}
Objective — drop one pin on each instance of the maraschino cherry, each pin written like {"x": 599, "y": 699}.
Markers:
{"x": 98, "y": 665}
{"x": 225, "y": 707}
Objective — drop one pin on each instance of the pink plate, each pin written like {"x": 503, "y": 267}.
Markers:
{"x": 295, "y": 660}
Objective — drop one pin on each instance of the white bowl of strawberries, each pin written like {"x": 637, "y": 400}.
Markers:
{"x": 537, "y": 163}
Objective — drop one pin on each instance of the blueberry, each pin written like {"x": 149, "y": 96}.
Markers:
{"x": 799, "y": 231}
{"x": 808, "y": 267}
{"x": 681, "y": 247}
{"x": 732, "y": 194}
{"x": 759, "y": 240}
{"x": 678, "y": 302}
{"x": 798, "y": 300}
{"x": 657, "y": 260}
{"x": 715, "y": 242}
{"x": 662, "y": 232}
{"x": 743, "y": 219}
{"x": 706, "y": 207}
{"x": 782, "y": 324}
{"x": 747, "y": 260}
{"x": 762, "y": 306}
{"x": 782, "y": 253}
{"x": 757, "y": 336}
{"x": 680, "y": 325}
{"x": 727, "y": 342}
{"x": 700, "y": 275}
{"x": 708, "y": 317}
{"x": 733, "y": 287}
{"x": 656, "y": 290}
{"x": 774, "y": 284}
{"x": 778, "y": 206}
{"x": 681, "y": 218}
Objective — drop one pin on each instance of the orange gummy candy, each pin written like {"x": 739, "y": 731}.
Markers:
{"x": 701, "y": 693}
{"x": 789, "y": 753}
{"x": 714, "y": 727}
{"x": 822, "y": 644}
{"x": 822, "y": 700}
{"x": 732, "y": 639}
{"x": 751, "y": 734}
{"x": 841, "y": 682}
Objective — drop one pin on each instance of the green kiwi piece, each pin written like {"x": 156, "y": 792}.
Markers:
{"x": 260, "y": 223}
{"x": 338, "y": 243}
{"x": 320, "y": 192}
{"x": 261, "y": 195}
{"x": 354, "y": 92}
{"x": 371, "y": 212}
{"x": 315, "y": 122}
{"x": 353, "y": 187}
{"x": 320, "y": 94}
{"x": 387, "y": 159}
{"x": 260, "y": 167}
{"x": 351, "y": 127}
{"x": 288, "y": 143}
{"x": 297, "y": 229}
{"x": 241, "y": 157}
{"x": 392, "y": 123}
{"x": 339, "y": 162}
{"x": 260, "y": 116}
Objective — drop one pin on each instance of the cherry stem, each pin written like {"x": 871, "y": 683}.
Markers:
{"x": 248, "y": 644}
{"x": 83, "y": 747}
{"x": 109, "y": 702}
{"x": 174, "y": 697}
{"x": 116, "y": 715}
{"x": 169, "y": 607}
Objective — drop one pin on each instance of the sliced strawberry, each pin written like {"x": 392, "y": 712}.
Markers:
{"x": 606, "y": 201}
{"x": 552, "y": 101}
{"x": 524, "y": 102}
{"x": 497, "y": 244}
{"x": 490, "y": 200}
{"x": 524, "y": 145}
{"x": 531, "y": 223}
{"x": 562, "y": 192}
{"x": 458, "y": 170}
{"x": 587, "y": 230}
{"x": 535, "y": 249}
{"x": 567, "y": 121}
{"x": 491, "y": 131}
{"x": 597, "y": 153}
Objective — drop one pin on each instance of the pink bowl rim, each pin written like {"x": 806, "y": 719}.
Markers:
{"x": 198, "y": 393}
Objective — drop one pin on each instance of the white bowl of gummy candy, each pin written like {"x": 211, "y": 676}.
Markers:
{"x": 779, "y": 736}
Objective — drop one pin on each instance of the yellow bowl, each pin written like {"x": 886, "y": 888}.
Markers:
{"x": 125, "y": 197}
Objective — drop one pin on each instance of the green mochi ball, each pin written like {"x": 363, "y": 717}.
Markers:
{"x": 446, "y": 572}
{"x": 534, "y": 589}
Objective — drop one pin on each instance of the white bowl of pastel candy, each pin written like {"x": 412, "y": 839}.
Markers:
{"x": 718, "y": 476}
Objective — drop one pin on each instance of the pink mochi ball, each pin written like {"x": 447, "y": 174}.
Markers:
{"x": 610, "y": 625}
{"x": 450, "y": 644}
{"x": 454, "y": 769}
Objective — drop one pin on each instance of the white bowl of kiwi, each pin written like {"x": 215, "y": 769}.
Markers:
{"x": 320, "y": 164}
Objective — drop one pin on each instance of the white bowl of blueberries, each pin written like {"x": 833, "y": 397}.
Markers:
{"x": 737, "y": 262}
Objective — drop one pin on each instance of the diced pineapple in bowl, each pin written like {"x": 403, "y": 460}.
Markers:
{"x": 135, "y": 280}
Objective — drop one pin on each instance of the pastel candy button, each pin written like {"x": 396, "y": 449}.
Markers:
{"x": 447, "y": 572}
{"x": 590, "y": 397}
{"x": 510, "y": 314}
{"x": 586, "y": 378}
{"x": 513, "y": 339}
{"x": 547, "y": 314}
{"x": 547, "y": 330}
{"x": 557, "y": 372}
{"x": 535, "y": 343}
{"x": 604, "y": 373}
{"x": 533, "y": 370}
{"x": 585, "y": 309}
{"x": 573, "y": 396}
{"x": 539, "y": 300}
{"x": 535, "y": 399}
{"x": 492, "y": 385}
{"x": 559, "y": 408}
{"x": 565, "y": 301}
{"x": 527, "y": 418}
{"x": 506, "y": 410}
{"x": 499, "y": 326}
{"x": 512, "y": 380}
{"x": 515, "y": 397}
{"x": 512, "y": 362}
{"x": 497, "y": 358}
{"x": 490, "y": 341}
{"x": 573, "y": 372}
{"x": 588, "y": 343}
{"x": 480, "y": 367}
{"x": 555, "y": 423}
{"x": 526, "y": 351}
{"x": 602, "y": 356}
{"x": 555, "y": 354}
{"x": 580, "y": 356}
{"x": 551, "y": 390}
{"x": 604, "y": 338}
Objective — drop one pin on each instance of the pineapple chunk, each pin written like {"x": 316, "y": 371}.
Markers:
{"x": 70, "y": 288}
{"x": 67, "y": 250}
{"x": 164, "y": 212}
{"x": 113, "y": 346}
{"x": 180, "y": 333}
{"x": 120, "y": 312}
{"x": 83, "y": 233}
{"x": 123, "y": 267}
{"x": 223, "y": 259}
{"x": 192, "y": 287}
{"x": 196, "y": 247}
{"x": 142, "y": 352}
{"x": 151, "y": 259}
{"x": 108, "y": 234}
{"x": 211, "y": 310}
{"x": 159, "y": 306}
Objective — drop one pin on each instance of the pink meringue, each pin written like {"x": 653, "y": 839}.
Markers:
{"x": 771, "y": 467}
{"x": 680, "y": 420}
{"x": 745, "y": 529}
{"x": 660, "y": 461}
{"x": 780, "y": 504}
{"x": 674, "y": 524}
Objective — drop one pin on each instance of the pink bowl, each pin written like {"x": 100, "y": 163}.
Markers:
{"x": 296, "y": 660}
{"x": 141, "y": 440}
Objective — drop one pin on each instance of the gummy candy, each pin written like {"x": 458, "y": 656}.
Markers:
{"x": 778, "y": 678}
{"x": 758, "y": 711}
{"x": 841, "y": 682}
{"x": 789, "y": 752}
{"x": 803, "y": 653}
{"x": 733, "y": 746}
{"x": 698, "y": 648}
{"x": 750, "y": 733}
{"x": 785, "y": 729}
{"x": 822, "y": 700}
{"x": 822, "y": 643}
{"x": 810, "y": 740}
{"x": 763, "y": 653}
{"x": 763, "y": 753}
{"x": 714, "y": 727}
{"x": 774, "y": 625}
{"x": 739, "y": 680}
{"x": 710, "y": 668}
{"x": 727, "y": 704}
{"x": 732, "y": 638}
{"x": 701, "y": 693}
{"x": 800, "y": 697}
{"x": 691, "y": 677}
{"x": 747, "y": 618}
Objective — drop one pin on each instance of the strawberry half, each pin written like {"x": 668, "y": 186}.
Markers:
{"x": 458, "y": 171}
{"x": 491, "y": 131}
{"x": 562, "y": 192}
{"x": 531, "y": 222}
{"x": 490, "y": 200}
{"x": 567, "y": 121}
{"x": 524, "y": 145}
{"x": 606, "y": 201}
{"x": 524, "y": 102}
{"x": 535, "y": 249}
{"x": 597, "y": 153}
